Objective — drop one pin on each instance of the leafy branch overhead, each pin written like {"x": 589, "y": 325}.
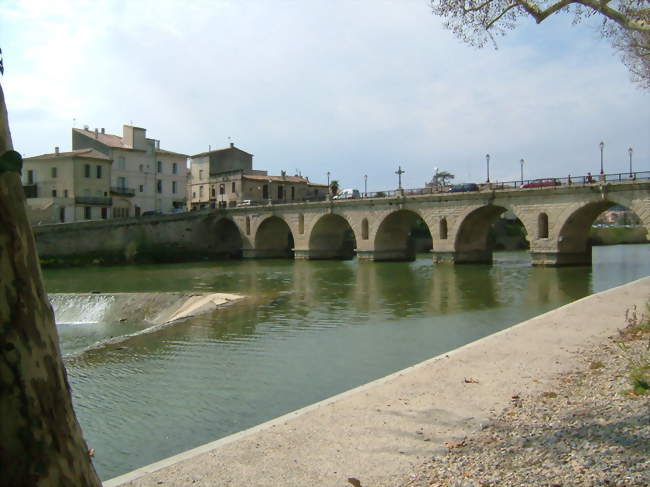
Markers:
{"x": 626, "y": 22}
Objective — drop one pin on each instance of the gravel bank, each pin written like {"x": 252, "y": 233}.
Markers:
{"x": 586, "y": 429}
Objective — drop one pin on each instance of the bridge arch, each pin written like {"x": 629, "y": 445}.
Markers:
{"x": 472, "y": 238}
{"x": 394, "y": 236}
{"x": 227, "y": 239}
{"x": 273, "y": 239}
{"x": 332, "y": 237}
{"x": 574, "y": 235}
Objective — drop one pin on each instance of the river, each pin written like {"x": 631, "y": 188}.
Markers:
{"x": 309, "y": 330}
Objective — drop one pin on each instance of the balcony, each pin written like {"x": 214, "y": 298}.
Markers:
{"x": 122, "y": 191}
{"x": 93, "y": 200}
{"x": 30, "y": 191}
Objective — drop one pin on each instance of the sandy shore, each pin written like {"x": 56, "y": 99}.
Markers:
{"x": 379, "y": 432}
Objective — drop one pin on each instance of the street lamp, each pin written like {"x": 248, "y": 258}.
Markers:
{"x": 365, "y": 184}
{"x": 487, "y": 159}
{"x": 521, "y": 161}
{"x": 602, "y": 146}
{"x": 629, "y": 151}
{"x": 328, "y": 179}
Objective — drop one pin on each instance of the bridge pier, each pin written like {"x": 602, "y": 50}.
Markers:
{"x": 463, "y": 257}
{"x": 558, "y": 259}
{"x": 267, "y": 253}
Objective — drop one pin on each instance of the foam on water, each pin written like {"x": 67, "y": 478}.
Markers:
{"x": 80, "y": 309}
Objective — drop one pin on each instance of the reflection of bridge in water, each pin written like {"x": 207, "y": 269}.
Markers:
{"x": 557, "y": 221}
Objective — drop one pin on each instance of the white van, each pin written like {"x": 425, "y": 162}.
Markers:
{"x": 346, "y": 194}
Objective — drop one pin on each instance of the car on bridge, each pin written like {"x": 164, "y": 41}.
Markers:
{"x": 346, "y": 194}
{"x": 541, "y": 183}
{"x": 461, "y": 188}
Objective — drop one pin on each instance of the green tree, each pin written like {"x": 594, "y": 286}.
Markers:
{"x": 626, "y": 22}
{"x": 443, "y": 176}
{"x": 334, "y": 188}
{"x": 42, "y": 443}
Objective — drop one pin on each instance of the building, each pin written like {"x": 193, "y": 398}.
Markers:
{"x": 225, "y": 177}
{"x": 145, "y": 178}
{"x": 67, "y": 186}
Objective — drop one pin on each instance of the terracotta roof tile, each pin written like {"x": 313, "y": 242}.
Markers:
{"x": 79, "y": 153}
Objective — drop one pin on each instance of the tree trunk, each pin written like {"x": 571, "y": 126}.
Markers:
{"x": 41, "y": 443}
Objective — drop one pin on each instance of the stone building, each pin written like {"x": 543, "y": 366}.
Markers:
{"x": 145, "y": 178}
{"x": 226, "y": 178}
{"x": 67, "y": 186}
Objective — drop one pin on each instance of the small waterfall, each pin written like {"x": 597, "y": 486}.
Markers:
{"x": 80, "y": 308}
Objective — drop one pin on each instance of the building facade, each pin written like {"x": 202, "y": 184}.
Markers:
{"x": 145, "y": 178}
{"x": 226, "y": 178}
{"x": 67, "y": 186}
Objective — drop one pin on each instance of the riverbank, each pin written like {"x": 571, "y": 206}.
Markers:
{"x": 378, "y": 432}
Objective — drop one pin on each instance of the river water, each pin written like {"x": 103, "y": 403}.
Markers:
{"x": 311, "y": 329}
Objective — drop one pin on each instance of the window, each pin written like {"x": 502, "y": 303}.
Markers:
{"x": 62, "y": 214}
{"x": 159, "y": 186}
{"x": 232, "y": 190}
{"x": 443, "y": 229}
{"x": 200, "y": 191}
{"x": 86, "y": 170}
{"x": 65, "y": 193}
{"x": 542, "y": 225}
{"x": 54, "y": 172}
{"x": 121, "y": 182}
{"x": 293, "y": 193}
{"x": 159, "y": 166}
{"x": 193, "y": 194}
{"x": 54, "y": 193}
{"x": 213, "y": 192}
{"x": 141, "y": 188}
{"x": 141, "y": 168}
{"x": 200, "y": 173}
{"x": 121, "y": 162}
{"x": 99, "y": 172}
{"x": 280, "y": 192}
{"x": 104, "y": 213}
{"x": 87, "y": 212}
{"x": 30, "y": 176}
{"x": 174, "y": 187}
{"x": 174, "y": 168}
{"x": 265, "y": 192}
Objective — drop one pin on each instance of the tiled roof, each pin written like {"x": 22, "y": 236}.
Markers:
{"x": 79, "y": 153}
{"x": 285, "y": 179}
{"x": 220, "y": 150}
{"x": 107, "y": 139}
{"x": 170, "y": 153}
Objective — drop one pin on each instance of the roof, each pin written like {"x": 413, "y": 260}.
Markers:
{"x": 79, "y": 153}
{"x": 221, "y": 150}
{"x": 284, "y": 179}
{"x": 107, "y": 139}
{"x": 170, "y": 153}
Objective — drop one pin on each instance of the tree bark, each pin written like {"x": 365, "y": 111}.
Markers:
{"x": 41, "y": 443}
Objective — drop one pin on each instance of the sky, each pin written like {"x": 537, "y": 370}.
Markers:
{"x": 348, "y": 87}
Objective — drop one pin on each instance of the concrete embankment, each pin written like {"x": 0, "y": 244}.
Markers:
{"x": 378, "y": 432}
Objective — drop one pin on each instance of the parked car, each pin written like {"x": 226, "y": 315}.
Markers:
{"x": 541, "y": 183}
{"x": 461, "y": 188}
{"x": 244, "y": 203}
{"x": 346, "y": 194}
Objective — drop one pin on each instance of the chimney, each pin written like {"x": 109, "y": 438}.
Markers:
{"x": 103, "y": 130}
{"x": 232, "y": 144}
{"x": 56, "y": 150}
{"x": 96, "y": 132}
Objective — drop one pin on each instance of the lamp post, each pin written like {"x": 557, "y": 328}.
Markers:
{"x": 487, "y": 159}
{"x": 629, "y": 151}
{"x": 602, "y": 146}
{"x": 328, "y": 179}
{"x": 365, "y": 185}
{"x": 269, "y": 195}
{"x": 521, "y": 162}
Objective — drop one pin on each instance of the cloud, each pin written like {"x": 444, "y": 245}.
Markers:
{"x": 352, "y": 88}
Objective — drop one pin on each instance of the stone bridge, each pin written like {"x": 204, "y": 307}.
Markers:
{"x": 557, "y": 221}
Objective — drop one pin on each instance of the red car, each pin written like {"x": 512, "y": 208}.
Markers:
{"x": 541, "y": 183}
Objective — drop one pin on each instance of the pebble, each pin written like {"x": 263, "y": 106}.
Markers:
{"x": 586, "y": 431}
